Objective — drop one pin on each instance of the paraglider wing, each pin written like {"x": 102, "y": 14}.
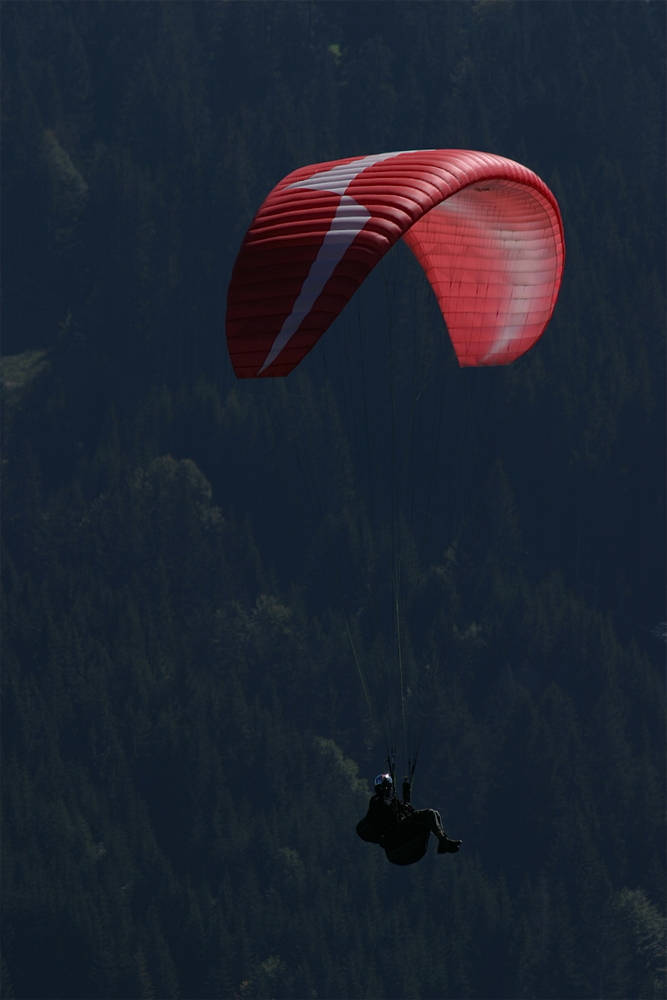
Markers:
{"x": 486, "y": 230}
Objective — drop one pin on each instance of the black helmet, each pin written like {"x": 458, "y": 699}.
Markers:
{"x": 383, "y": 784}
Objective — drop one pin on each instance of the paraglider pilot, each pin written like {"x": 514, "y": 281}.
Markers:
{"x": 402, "y": 832}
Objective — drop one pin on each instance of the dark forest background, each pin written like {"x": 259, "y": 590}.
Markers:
{"x": 186, "y": 747}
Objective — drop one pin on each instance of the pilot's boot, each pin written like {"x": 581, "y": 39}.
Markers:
{"x": 447, "y": 846}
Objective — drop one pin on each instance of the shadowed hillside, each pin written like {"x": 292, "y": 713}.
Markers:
{"x": 186, "y": 742}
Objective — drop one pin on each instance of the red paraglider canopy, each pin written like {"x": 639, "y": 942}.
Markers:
{"x": 486, "y": 230}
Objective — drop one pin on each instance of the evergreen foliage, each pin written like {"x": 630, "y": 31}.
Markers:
{"x": 185, "y": 739}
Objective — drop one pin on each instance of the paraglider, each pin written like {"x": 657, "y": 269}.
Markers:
{"x": 488, "y": 235}
{"x": 486, "y": 230}
{"x": 401, "y": 831}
